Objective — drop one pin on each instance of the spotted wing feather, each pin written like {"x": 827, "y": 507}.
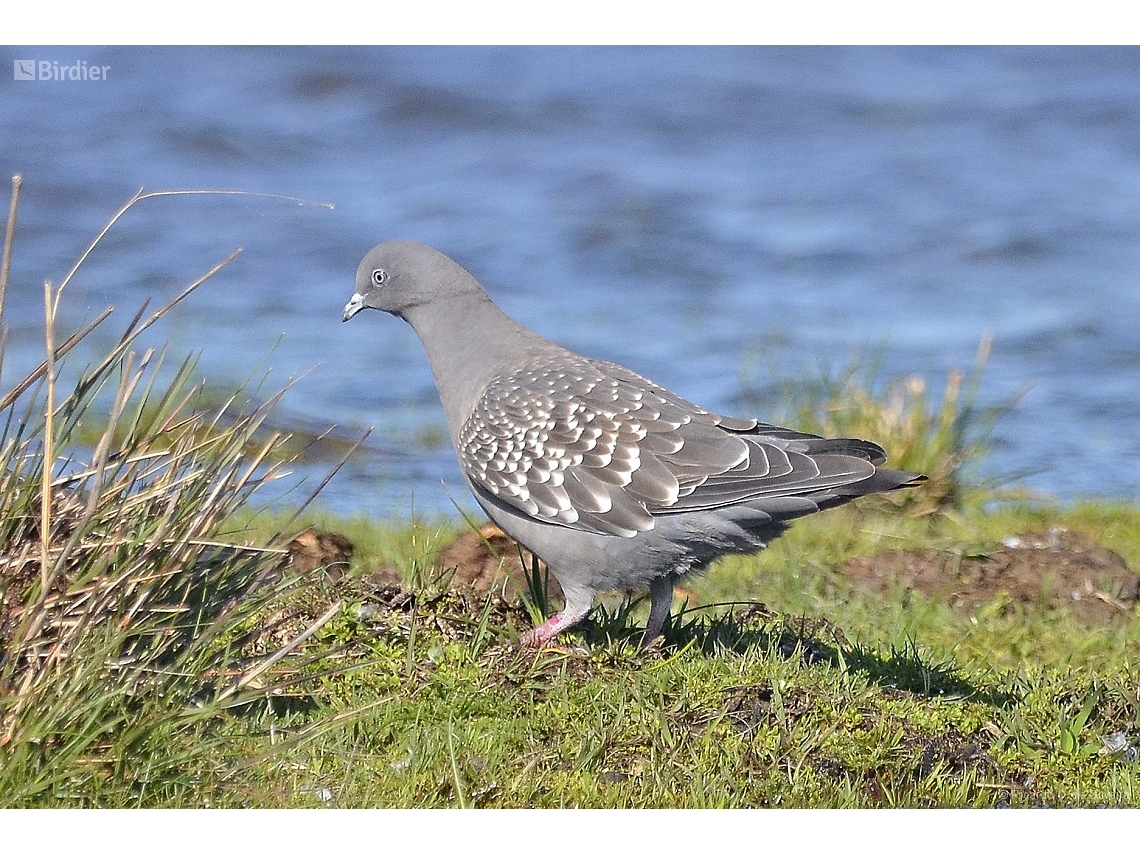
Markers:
{"x": 592, "y": 445}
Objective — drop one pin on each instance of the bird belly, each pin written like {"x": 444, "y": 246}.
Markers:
{"x": 679, "y": 544}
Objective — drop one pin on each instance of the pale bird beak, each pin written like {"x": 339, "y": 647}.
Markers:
{"x": 353, "y": 306}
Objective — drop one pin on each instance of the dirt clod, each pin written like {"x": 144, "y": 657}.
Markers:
{"x": 490, "y": 560}
{"x": 313, "y": 549}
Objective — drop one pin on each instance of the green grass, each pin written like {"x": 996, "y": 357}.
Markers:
{"x": 142, "y": 666}
{"x": 797, "y": 574}
{"x": 828, "y": 696}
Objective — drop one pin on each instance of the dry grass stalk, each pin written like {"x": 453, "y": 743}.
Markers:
{"x": 942, "y": 438}
{"x": 110, "y": 574}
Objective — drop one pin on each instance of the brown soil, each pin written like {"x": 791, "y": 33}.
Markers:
{"x": 487, "y": 560}
{"x": 1057, "y": 569}
{"x": 313, "y": 548}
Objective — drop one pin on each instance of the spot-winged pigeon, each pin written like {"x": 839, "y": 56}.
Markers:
{"x": 612, "y": 480}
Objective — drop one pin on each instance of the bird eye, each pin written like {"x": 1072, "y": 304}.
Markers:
{"x": 379, "y": 277}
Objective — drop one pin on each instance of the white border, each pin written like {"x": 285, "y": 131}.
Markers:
{"x": 70, "y": 22}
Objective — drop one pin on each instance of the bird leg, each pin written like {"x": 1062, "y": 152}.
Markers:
{"x": 538, "y": 636}
{"x": 660, "y": 600}
{"x": 578, "y": 602}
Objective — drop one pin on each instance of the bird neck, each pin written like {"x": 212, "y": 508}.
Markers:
{"x": 469, "y": 342}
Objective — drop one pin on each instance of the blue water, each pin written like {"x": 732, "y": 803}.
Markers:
{"x": 701, "y": 215}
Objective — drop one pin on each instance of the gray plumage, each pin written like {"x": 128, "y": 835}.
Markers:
{"x": 614, "y": 481}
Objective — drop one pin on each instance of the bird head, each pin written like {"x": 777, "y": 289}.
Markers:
{"x": 399, "y": 275}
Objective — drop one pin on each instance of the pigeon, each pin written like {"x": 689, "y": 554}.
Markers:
{"x": 612, "y": 480}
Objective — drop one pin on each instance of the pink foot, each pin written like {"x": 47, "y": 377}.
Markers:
{"x": 540, "y": 635}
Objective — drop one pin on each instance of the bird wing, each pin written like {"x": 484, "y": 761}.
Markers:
{"x": 594, "y": 446}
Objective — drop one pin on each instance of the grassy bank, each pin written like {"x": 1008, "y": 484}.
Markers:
{"x": 825, "y": 695}
{"x": 160, "y": 649}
